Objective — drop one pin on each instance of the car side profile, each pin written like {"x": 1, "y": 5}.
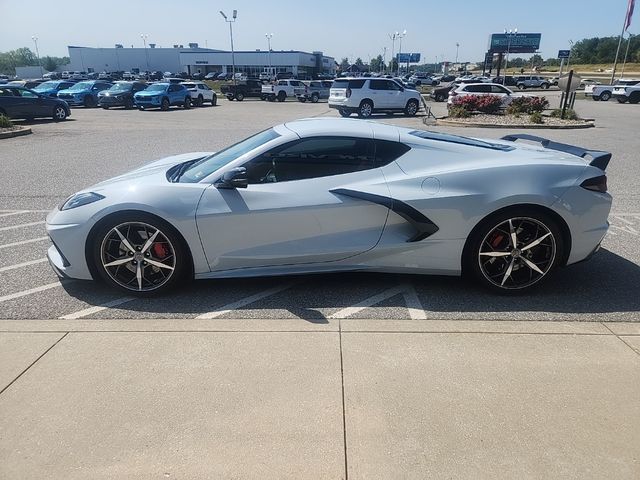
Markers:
{"x": 84, "y": 93}
{"x": 334, "y": 195}
{"x": 18, "y": 102}
{"x": 532, "y": 81}
{"x": 120, "y": 94}
{"x": 201, "y": 93}
{"x": 52, "y": 87}
{"x": 493, "y": 89}
{"x": 163, "y": 95}
{"x": 366, "y": 96}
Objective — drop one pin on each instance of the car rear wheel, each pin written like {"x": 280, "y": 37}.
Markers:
{"x": 344, "y": 112}
{"x": 128, "y": 104}
{"x": 605, "y": 96}
{"x": 187, "y": 103}
{"x": 634, "y": 98}
{"x": 282, "y": 96}
{"x": 200, "y": 101}
{"x": 514, "y": 250}
{"x": 545, "y": 86}
{"x": 59, "y": 113}
{"x": 521, "y": 87}
{"x": 239, "y": 96}
{"x": 140, "y": 254}
{"x": 164, "y": 105}
{"x": 315, "y": 97}
{"x": 214, "y": 101}
{"x": 365, "y": 109}
{"x": 302, "y": 99}
{"x": 412, "y": 108}
{"x": 89, "y": 102}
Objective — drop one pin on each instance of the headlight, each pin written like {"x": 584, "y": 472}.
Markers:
{"x": 80, "y": 199}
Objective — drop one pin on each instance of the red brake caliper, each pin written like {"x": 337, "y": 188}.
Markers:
{"x": 160, "y": 250}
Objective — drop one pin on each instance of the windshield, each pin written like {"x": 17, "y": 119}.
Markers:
{"x": 158, "y": 87}
{"x": 210, "y": 164}
{"x": 121, "y": 87}
{"x": 46, "y": 86}
{"x": 81, "y": 86}
{"x": 189, "y": 85}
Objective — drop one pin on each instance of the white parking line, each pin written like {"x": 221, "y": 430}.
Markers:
{"x": 369, "y": 302}
{"x": 31, "y": 291}
{"x": 22, "y": 225}
{"x": 23, "y": 242}
{"x": 416, "y": 311}
{"x": 10, "y": 214}
{"x": 23, "y": 264}
{"x": 98, "y": 308}
{"x": 244, "y": 302}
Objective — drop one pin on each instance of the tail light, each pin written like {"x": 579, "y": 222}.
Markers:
{"x": 452, "y": 93}
{"x": 596, "y": 184}
{"x": 348, "y": 93}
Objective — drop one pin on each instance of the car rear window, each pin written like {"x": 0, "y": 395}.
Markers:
{"x": 472, "y": 142}
{"x": 388, "y": 151}
{"x": 349, "y": 83}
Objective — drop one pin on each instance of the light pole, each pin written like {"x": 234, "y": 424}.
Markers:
{"x": 233, "y": 55}
{"x": 569, "y": 58}
{"x": 269, "y": 35}
{"x": 400, "y": 36}
{"x": 35, "y": 40}
{"x": 144, "y": 37}
{"x": 393, "y": 37}
{"x": 457, "y": 49}
{"x": 384, "y": 59}
{"x": 510, "y": 34}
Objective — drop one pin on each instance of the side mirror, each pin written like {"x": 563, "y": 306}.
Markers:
{"x": 234, "y": 178}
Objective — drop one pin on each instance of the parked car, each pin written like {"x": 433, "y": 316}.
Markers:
{"x": 225, "y": 76}
{"x": 52, "y": 87}
{"x": 482, "y": 89}
{"x": 200, "y": 93}
{"x": 84, "y": 93}
{"x": 588, "y": 81}
{"x": 315, "y": 90}
{"x": 197, "y": 76}
{"x": 29, "y": 84}
{"x": 605, "y": 92}
{"x": 239, "y": 91}
{"x": 532, "y": 81}
{"x": 329, "y": 194}
{"x": 441, "y": 93}
{"x": 423, "y": 78}
{"x": 211, "y": 76}
{"x": 19, "y": 102}
{"x": 627, "y": 93}
{"x": 282, "y": 89}
{"x": 163, "y": 95}
{"x": 366, "y": 96}
{"x": 120, "y": 95}
{"x": 51, "y": 76}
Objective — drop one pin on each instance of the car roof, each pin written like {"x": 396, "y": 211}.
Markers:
{"x": 310, "y": 127}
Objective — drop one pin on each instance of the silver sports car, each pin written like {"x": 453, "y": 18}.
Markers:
{"x": 327, "y": 195}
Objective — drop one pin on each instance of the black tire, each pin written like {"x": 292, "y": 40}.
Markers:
{"x": 141, "y": 108}
{"x": 281, "y": 96}
{"x": 509, "y": 273}
{"x": 214, "y": 100}
{"x": 440, "y": 97}
{"x": 365, "y": 110}
{"x": 230, "y": 98}
{"x": 105, "y": 107}
{"x": 634, "y": 98}
{"x": 622, "y": 99}
{"x": 187, "y": 103}
{"x": 199, "y": 101}
{"x": 181, "y": 273}
{"x": 521, "y": 86}
{"x": 59, "y": 113}
{"x": 239, "y": 96}
{"x": 344, "y": 112}
{"x": 545, "y": 86}
{"x": 164, "y": 105}
{"x": 302, "y": 99}
{"x": 605, "y": 96}
{"x": 271, "y": 98}
{"x": 128, "y": 104}
{"x": 89, "y": 102}
{"x": 315, "y": 97}
{"x": 412, "y": 107}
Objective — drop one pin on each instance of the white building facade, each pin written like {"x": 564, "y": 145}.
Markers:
{"x": 194, "y": 60}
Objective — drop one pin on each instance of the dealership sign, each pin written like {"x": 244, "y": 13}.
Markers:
{"x": 564, "y": 53}
{"x": 408, "y": 58}
{"x": 514, "y": 42}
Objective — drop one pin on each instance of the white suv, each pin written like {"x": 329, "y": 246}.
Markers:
{"x": 200, "y": 93}
{"x": 482, "y": 89}
{"x": 365, "y": 96}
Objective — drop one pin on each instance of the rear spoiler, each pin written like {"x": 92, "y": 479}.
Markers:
{"x": 599, "y": 159}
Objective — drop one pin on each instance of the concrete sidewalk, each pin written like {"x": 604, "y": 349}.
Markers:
{"x": 374, "y": 399}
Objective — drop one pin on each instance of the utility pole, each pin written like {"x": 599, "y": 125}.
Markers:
{"x": 233, "y": 56}
{"x": 35, "y": 40}
{"x": 457, "y": 48}
{"x": 510, "y": 34}
{"x": 393, "y": 37}
{"x": 400, "y": 36}
{"x": 144, "y": 37}
{"x": 269, "y": 36}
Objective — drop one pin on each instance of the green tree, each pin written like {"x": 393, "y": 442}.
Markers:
{"x": 359, "y": 63}
{"x": 377, "y": 64}
{"x": 49, "y": 64}
{"x": 344, "y": 64}
{"x": 393, "y": 65}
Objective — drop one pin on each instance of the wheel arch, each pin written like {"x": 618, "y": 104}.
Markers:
{"x": 533, "y": 207}
{"x": 367, "y": 99}
{"x": 91, "y": 236}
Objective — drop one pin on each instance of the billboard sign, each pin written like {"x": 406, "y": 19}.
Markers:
{"x": 514, "y": 42}
{"x": 564, "y": 53}
{"x": 408, "y": 58}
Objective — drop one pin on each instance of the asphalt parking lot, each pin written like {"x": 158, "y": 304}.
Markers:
{"x": 60, "y": 158}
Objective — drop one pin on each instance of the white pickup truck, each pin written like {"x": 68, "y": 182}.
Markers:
{"x": 605, "y": 92}
{"x": 283, "y": 89}
{"x": 627, "y": 93}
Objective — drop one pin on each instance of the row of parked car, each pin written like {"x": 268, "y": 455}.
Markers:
{"x": 623, "y": 90}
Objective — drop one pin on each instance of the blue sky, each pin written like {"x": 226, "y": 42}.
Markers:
{"x": 338, "y": 28}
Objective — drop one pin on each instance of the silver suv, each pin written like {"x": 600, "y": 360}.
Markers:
{"x": 532, "y": 81}
{"x": 366, "y": 96}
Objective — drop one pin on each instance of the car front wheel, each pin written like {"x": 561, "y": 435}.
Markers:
{"x": 514, "y": 250}
{"x": 140, "y": 254}
{"x": 605, "y": 96}
{"x": 59, "y": 113}
{"x": 412, "y": 108}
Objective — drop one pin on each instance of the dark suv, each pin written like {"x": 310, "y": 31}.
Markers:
{"x": 18, "y": 102}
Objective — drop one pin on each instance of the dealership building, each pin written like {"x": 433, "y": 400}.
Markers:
{"x": 195, "y": 59}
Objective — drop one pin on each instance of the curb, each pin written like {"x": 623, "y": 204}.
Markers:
{"x": 16, "y": 132}
{"x": 534, "y": 126}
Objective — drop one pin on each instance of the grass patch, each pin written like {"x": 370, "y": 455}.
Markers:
{"x": 5, "y": 122}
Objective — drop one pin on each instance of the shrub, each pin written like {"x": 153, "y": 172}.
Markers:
{"x": 458, "y": 111}
{"x": 527, "y": 105}
{"x": 536, "y": 117}
{"x": 569, "y": 114}
{"x": 479, "y": 103}
{"x": 5, "y": 122}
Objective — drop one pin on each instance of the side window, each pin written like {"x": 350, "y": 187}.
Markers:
{"x": 311, "y": 158}
{"x": 202, "y": 86}
{"x": 498, "y": 89}
{"x": 5, "y": 93}
{"x": 282, "y": 82}
{"x": 27, "y": 94}
{"x": 378, "y": 84}
{"x": 173, "y": 87}
{"x": 388, "y": 151}
{"x": 356, "y": 84}
{"x": 392, "y": 85}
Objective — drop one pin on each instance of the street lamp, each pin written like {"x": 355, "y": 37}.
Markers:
{"x": 35, "y": 40}
{"x": 144, "y": 37}
{"x": 569, "y": 58}
{"x": 233, "y": 56}
{"x": 401, "y": 36}
{"x": 457, "y": 49}
{"x": 510, "y": 34}
{"x": 269, "y": 36}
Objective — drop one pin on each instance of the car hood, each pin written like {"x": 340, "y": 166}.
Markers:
{"x": 73, "y": 92}
{"x": 150, "y": 93}
{"x": 152, "y": 169}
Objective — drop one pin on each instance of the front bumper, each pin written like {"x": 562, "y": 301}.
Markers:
{"x": 148, "y": 101}
{"x": 66, "y": 255}
{"x": 111, "y": 101}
